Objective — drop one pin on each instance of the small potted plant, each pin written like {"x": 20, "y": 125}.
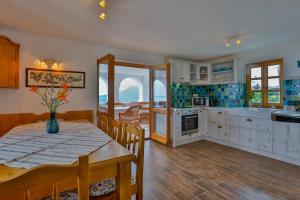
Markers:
{"x": 52, "y": 98}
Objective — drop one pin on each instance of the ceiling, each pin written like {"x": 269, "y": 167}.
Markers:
{"x": 191, "y": 29}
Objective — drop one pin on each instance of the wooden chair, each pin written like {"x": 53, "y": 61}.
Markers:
{"x": 135, "y": 144}
{"x": 103, "y": 121}
{"x": 131, "y": 116}
{"x": 39, "y": 178}
{"x": 117, "y": 132}
{"x": 9, "y": 121}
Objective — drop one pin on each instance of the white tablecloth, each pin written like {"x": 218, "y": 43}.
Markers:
{"x": 29, "y": 145}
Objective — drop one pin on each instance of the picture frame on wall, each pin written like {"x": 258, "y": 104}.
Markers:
{"x": 47, "y": 77}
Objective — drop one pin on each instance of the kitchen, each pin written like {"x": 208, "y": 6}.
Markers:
{"x": 211, "y": 102}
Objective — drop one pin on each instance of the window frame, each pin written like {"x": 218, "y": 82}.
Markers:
{"x": 264, "y": 79}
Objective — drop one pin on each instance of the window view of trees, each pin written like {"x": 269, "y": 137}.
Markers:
{"x": 264, "y": 83}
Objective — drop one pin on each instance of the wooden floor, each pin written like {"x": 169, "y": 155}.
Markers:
{"x": 205, "y": 170}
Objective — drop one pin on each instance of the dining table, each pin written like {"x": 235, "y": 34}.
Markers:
{"x": 27, "y": 146}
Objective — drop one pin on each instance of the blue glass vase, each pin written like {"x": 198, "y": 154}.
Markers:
{"x": 52, "y": 124}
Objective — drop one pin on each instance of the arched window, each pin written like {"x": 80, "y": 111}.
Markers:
{"x": 103, "y": 91}
{"x": 130, "y": 90}
{"x": 160, "y": 93}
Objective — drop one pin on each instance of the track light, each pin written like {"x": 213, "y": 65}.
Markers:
{"x": 102, "y": 16}
{"x": 103, "y": 3}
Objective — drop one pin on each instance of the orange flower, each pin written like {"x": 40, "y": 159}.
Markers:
{"x": 62, "y": 97}
{"x": 65, "y": 86}
{"x": 34, "y": 89}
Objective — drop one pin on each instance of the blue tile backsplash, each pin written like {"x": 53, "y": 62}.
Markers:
{"x": 291, "y": 92}
{"x": 229, "y": 95}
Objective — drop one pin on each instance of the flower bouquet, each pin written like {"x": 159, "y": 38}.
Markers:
{"x": 53, "y": 98}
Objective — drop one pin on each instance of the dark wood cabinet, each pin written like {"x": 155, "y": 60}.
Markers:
{"x": 9, "y": 63}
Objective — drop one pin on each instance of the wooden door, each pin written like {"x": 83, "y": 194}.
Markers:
{"x": 160, "y": 104}
{"x": 106, "y": 98}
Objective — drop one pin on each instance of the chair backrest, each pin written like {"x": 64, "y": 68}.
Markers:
{"x": 135, "y": 144}
{"x": 103, "y": 121}
{"x": 43, "y": 176}
{"x": 117, "y": 132}
{"x": 134, "y": 108}
{"x": 9, "y": 121}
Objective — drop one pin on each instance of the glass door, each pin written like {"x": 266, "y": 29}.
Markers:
{"x": 160, "y": 103}
{"x": 105, "y": 108}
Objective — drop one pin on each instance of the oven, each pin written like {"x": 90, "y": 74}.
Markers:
{"x": 189, "y": 123}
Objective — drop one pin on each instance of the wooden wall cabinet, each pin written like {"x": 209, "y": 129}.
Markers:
{"x": 9, "y": 63}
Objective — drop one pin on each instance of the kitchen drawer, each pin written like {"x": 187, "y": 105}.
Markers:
{"x": 188, "y": 137}
{"x": 235, "y": 121}
{"x": 218, "y": 117}
{"x": 256, "y": 124}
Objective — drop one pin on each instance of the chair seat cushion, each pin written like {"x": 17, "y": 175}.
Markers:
{"x": 65, "y": 196}
{"x": 109, "y": 185}
{"x": 103, "y": 187}
{"x": 68, "y": 196}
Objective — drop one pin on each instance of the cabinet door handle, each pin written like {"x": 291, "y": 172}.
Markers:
{"x": 249, "y": 120}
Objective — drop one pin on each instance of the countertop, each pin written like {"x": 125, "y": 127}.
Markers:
{"x": 262, "y": 113}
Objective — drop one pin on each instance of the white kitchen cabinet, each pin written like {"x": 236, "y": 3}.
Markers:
{"x": 202, "y": 116}
{"x": 200, "y": 74}
{"x": 286, "y": 139}
{"x": 235, "y": 121}
{"x": 222, "y": 133}
{"x": 218, "y": 117}
{"x": 180, "y": 71}
{"x": 263, "y": 140}
{"x": 247, "y": 138}
{"x": 218, "y": 132}
{"x": 256, "y": 133}
{"x": 234, "y": 135}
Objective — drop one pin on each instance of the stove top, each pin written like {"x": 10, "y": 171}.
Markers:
{"x": 286, "y": 116}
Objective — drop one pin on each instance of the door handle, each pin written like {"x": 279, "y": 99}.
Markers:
{"x": 249, "y": 120}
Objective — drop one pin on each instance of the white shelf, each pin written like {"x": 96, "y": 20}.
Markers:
{"x": 228, "y": 71}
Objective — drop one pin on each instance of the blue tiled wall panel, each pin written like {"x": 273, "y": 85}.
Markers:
{"x": 291, "y": 92}
{"x": 229, "y": 95}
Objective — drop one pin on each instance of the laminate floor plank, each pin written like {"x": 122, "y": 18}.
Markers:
{"x": 210, "y": 171}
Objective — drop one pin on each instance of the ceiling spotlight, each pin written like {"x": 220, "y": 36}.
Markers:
{"x": 238, "y": 42}
{"x": 102, "y": 16}
{"x": 103, "y": 3}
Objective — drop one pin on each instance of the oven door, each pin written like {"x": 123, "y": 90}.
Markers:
{"x": 189, "y": 124}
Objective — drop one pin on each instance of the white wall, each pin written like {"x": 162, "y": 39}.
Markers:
{"x": 290, "y": 52}
{"x": 76, "y": 55}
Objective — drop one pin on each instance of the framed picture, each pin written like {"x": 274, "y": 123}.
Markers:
{"x": 45, "y": 78}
